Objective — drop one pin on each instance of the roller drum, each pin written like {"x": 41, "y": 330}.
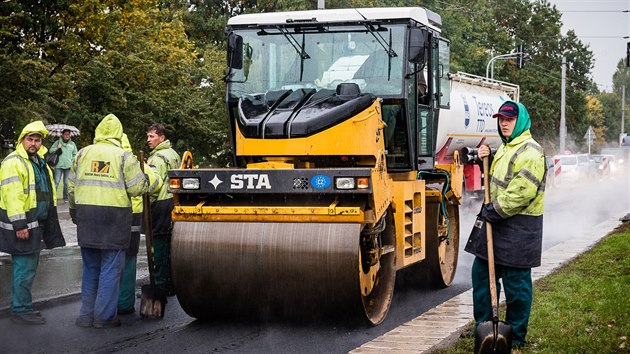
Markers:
{"x": 238, "y": 269}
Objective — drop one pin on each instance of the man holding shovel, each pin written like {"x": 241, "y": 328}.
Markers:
{"x": 162, "y": 158}
{"x": 515, "y": 212}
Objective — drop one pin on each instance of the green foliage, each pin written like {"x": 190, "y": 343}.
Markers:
{"x": 611, "y": 104}
{"x": 163, "y": 61}
{"x": 480, "y": 30}
{"x": 130, "y": 58}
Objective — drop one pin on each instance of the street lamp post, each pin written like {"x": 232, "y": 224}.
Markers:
{"x": 489, "y": 74}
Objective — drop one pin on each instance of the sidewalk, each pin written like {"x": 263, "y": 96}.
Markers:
{"x": 441, "y": 326}
{"x": 60, "y": 269}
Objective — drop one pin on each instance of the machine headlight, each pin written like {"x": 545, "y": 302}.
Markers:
{"x": 345, "y": 183}
{"x": 190, "y": 183}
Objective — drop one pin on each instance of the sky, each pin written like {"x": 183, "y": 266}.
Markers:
{"x": 602, "y": 25}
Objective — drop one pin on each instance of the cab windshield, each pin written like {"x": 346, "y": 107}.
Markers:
{"x": 320, "y": 58}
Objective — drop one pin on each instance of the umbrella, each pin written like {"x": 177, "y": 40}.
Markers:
{"x": 57, "y": 129}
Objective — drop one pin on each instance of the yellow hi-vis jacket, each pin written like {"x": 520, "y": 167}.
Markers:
{"x": 103, "y": 179}
{"x": 517, "y": 190}
{"x": 137, "y": 204}
{"x": 162, "y": 158}
{"x": 18, "y": 201}
{"x": 518, "y": 172}
{"x": 155, "y": 183}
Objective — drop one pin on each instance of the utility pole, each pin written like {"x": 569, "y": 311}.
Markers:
{"x": 623, "y": 111}
{"x": 563, "y": 128}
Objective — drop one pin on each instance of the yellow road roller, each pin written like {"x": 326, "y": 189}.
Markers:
{"x": 335, "y": 184}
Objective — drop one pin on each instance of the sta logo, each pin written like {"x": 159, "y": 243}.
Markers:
{"x": 250, "y": 181}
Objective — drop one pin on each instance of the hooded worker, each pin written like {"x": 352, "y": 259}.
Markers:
{"x": 103, "y": 180}
{"x": 517, "y": 190}
{"x": 29, "y": 217}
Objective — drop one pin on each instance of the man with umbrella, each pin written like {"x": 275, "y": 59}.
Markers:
{"x": 68, "y": 152}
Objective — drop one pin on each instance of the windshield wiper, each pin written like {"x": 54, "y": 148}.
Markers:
{"x": 298, "y": 48}
{"x": 387, "y": 46}
{"x": 296, "y": 45}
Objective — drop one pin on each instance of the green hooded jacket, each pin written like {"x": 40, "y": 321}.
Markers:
{"x": 517, "y": 191}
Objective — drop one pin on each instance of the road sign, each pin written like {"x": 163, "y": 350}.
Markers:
{"x": 589, "y": 136}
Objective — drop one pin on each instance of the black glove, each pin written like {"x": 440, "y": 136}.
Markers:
{"x": 73, "y": 215}
{"x": 489, "y": 214}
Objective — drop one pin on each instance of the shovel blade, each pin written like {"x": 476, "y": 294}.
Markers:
{"x": 152, "y": 302}
{"x": 486, "y": 342}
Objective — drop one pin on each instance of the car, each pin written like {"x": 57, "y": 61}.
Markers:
{"x": 613, "y": 162}
{"x": 586, "y": 166}
{"x": 603, "y": 165}
{"x": 575, "y": 166}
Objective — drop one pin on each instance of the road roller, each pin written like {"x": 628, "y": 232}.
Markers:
{"x": 335, "y": 184}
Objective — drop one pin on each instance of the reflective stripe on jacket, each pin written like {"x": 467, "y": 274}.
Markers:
{"x": 102, "y": 181}
{"x": 517, "y": 185}
{"x": 517, "y": 189}
{"x": 18, "y": 207}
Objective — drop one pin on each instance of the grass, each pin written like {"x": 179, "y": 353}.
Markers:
{"x": 584, "y": 307}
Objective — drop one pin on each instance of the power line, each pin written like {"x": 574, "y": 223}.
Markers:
{"x": 599, "y": 11}
{"x": 578, "y": 83}
{"x": 613, "y": 37}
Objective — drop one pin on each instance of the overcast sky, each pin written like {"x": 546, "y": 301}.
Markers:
{"x": 601, "y": 24}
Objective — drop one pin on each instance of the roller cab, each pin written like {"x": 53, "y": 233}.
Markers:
{"x": 335, "y": 185}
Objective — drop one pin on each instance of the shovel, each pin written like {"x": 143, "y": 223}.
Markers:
{"x": 153, "y": 299}
{"x": 492, "y": 336}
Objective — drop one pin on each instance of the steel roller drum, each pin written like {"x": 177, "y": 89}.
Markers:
{"x": 237, "y": 269}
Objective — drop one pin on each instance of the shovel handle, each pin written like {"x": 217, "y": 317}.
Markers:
{"x": 148, "y": 227}
{"x": 490, "y": 245}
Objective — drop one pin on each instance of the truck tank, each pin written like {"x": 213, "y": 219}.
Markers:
{"x": 468, "y": 123}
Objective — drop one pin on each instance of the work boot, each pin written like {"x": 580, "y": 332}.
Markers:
{"x": 126, "y": 311}
{"x": 83, "y": 322}
{"x": 31, "y": 318}
{"x": 114, "y": 322}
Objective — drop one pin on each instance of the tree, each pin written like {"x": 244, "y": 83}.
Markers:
{"x": 611, "y": 105}
{"x": 29, "y": 33}
{"x": 150, "y": 60}
{"x": 595, "y": 118}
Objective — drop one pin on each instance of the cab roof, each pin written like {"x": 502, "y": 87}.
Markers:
{"x": 418, "y": 14}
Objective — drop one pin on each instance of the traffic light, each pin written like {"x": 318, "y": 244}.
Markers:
{"x": 520, "y": 60}
{"x": 628, "y": 54}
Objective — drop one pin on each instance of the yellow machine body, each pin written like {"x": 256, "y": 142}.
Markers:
{"x": 335, "y": 190}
